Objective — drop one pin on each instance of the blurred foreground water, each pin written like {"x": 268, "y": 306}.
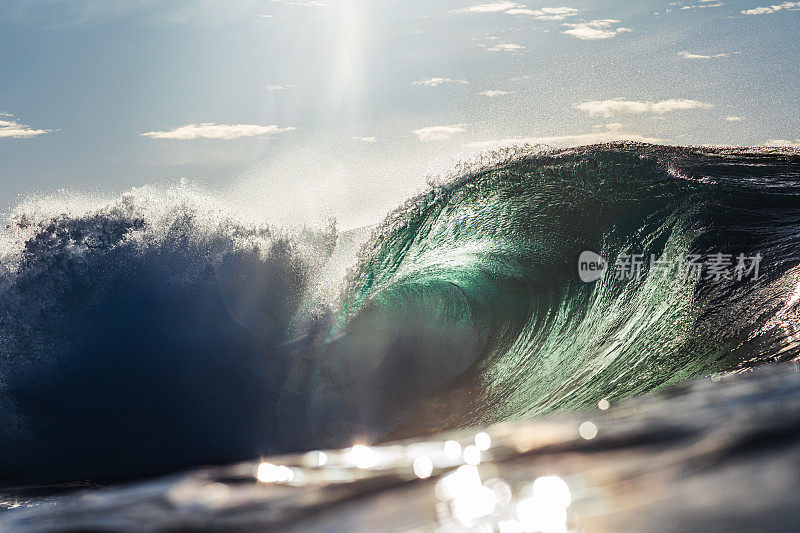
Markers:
{"x": 716, "y": 454}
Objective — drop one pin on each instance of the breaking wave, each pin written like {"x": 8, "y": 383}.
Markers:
{"x": 144, "y": 333}
{"x": 156, "y": 331}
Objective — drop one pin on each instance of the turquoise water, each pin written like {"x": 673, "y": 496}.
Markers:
{"x": 475, "y": 284}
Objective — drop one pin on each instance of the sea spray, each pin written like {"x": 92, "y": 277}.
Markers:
{"x": 144, "y": 333}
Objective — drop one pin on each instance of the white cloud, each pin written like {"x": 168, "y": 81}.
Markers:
{"x": 507, "y": 47}
{"x": 788, "y": 6}
{"x": 595, "y": 29}
{"x": 12, "y": 129}
{"x": 758, "y": 11}
{"x": 366, "y": 139}
{"x": 545, "y": 13}
{"x": 492, "y": 93}
{"x": 718, "y": 4}
{"x": 566, "y": 140}
{"x": 494, "y": 7}
{"x": 513, "y": 8}
{"x": 733, "y": 118}
{"x": 278, "y": 87}
{"x": 783, "y": 142}
{"x": 209, "y": 130}
{"x": 438, "y": 133}
{"x": 267, "y": 16}
{"x": 689, "y": 55}
{"x": 435, "y": 82}
{"x": 619, "y": 106}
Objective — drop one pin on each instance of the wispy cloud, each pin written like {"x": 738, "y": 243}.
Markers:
{"x": 507, "y": 47}
{"x": 704, "y": 4}
{"x": 493, "y": 7}
{"x": 13, "y": 129}
{"x": 546, "y": 13}
{"x": 493, "y": 92}
{"x": 513, "y": 8}
{"x": 621, "y": 106}
{"x": 278, "y": 87}
{"x": 566, "y": 140}
{"x": 435, "y": 82}
{"x": 366, "y": 139}
{"x": 689, "y": 55}
{"x": 209, "y": 130}
{"x": 733, "y": 118}
{"x": 267, "y": 16}
{"x": 438, "y": 133}
{"x": 595, "y": 29}
{"x": 787, "y": 6}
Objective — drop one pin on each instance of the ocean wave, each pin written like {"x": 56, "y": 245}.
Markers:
{"x": 157, "y": 330}
{"x": 481, "y": 273}
{"x": 144, "y": 333}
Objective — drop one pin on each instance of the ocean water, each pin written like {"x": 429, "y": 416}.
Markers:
{"x": 158, "y": 331}
{"x": 714, "y": 454}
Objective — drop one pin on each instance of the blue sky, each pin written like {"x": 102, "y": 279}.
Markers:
{"x": 307, "y": 109}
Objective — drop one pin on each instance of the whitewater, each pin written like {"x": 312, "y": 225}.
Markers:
{"x": 160, "y": 330}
